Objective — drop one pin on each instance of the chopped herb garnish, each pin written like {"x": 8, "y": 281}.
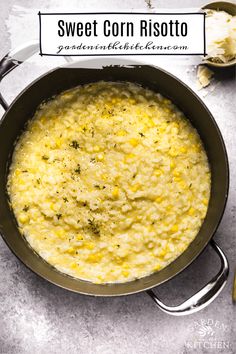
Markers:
{"x": 141, "y": 134}
{"x": 38, "y": 180}
{"x": 94, "y": 227}
{"x": 26, "y": 208}
{"x": 44, "y": 157}
{"x": 58, "y": 216}
{"x": 74, "y": 144}
{"x": 93, "y": 160}
{"x": 65, "y": 199}
{"x": 97, "y": 186}
{"x": 84, "y": 129}
{"x": 24, "y": 171}
{"x": 78, "y": 169}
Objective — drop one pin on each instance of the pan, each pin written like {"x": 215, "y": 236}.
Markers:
{"x": 65, "y": 77}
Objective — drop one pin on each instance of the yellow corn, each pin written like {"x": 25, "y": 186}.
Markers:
{"x": 174, "y": 228}
{"x": 74, "y": 265}
{"x": 23, "y": 218}
{"x": 135, "y": 187}
{"x": 183, "y": 150}
{"x": 79, "y": 237}
{"x": 121, "y": 133}
{"x": 158, "y": 172}
{"x": 173, "y": 152}
{"x": 70, "y": 250}
{"x": 130, "y": 156}
{"x": 133, "y": 142}
{"x": 182, "y": 184}
{"x": 159, "y": 199}
{"x": 176, "y": 173}
{"x": 96, "y": 148}
{"x": 17, "y": 172}
{"x": 125, "y": 273}
{"x": 58, "y": 142}
{"x": 163, "y": 252}
{"x": 89, "y": 245}
{"x": 191, "y": 211}
{"x": 100, "y": 157}
{"x": 157, "y": 267}
{"x": 94, "y": 258}
{"x": 115, "y": 192}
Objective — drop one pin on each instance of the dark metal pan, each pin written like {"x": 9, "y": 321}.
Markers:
{"x": 23, "y": 108}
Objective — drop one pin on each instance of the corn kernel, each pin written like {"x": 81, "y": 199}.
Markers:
{"x": 133, "y": 142}
{"x": 79, "y": 237}
{"x": 115, "y": 192}
{"x": 162, "y": 253}
{"x": 151, "y": 123}
{"x": 158, "y": 172}
{"x": 183, "y": 150}
{"x": 100, "y": 157}
{"x": 52, "y": 206}
{"x": 121, "y": 133}
{"x": 191, "y": 211}
{"x": 125, "y": 273}
{"x": 23, "y": 218}
{"x": 182, "y": 185}
{"x": 172, "y": 164}
{"x": 176, "y": 173}
{"x": 17, "y": 172}
{"x": 157, "y": 267}
{"x": 174, "y": 228}
{"x": 89, "y": 245}
{"x": 125, "y": 266}
{"x": 135, "y": 187}
{"x": 60, "y": 233}
{"x": 130, "y": 156}
{"x": 177, "y": 179}
{"x": 70, "y": 250}
{"x": 104, "y": 176}
{"x": 205, "y": 201}
{"x": 74, "y": 265}
{"x": 94, "y": 258}
{"x": 159, "y": 199}
{"x": 96, "y": 148}
{"x": 58, "y": 142}
{"x": 173, "y": 152}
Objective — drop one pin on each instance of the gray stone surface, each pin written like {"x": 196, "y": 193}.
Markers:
{"x": 37, "y": 317}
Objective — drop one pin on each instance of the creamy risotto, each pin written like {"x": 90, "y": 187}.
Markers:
{"x": 109, "y": 182}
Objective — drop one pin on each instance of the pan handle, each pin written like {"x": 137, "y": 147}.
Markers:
{"x": 204, "y": 296}
{"x": 13, "y": 59}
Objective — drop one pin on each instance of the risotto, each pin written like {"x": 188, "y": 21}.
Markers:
{"x": 109, "y": 182}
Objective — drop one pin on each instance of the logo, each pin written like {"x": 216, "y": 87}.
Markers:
{"x": 208, "y": 334}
